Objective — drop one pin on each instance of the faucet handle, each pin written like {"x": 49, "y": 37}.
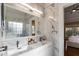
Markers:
{"x": 5, "y": 48}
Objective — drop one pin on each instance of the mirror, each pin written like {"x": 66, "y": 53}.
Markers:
{"x": 19, "y": 24}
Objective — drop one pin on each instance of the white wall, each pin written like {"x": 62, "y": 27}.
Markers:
{"x": 57, "y": 38}
{"x": 60, "y": 28}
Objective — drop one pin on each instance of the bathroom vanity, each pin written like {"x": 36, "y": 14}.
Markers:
{"x": 28, "y": 49}
{"x": 37, "y": 50}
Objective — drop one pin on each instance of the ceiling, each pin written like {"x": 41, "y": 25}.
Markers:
{"x": 71, "y": 16}
{"x": 67, "y": 4}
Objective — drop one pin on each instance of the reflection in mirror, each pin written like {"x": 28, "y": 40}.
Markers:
{"x": 33, "y": 27}
{"x": 18, "y": 25}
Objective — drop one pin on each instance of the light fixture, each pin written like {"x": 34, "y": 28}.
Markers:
{"x": 31, "y": 8}
{"x": 74, "y": 10}
{"x": 75, "y": 7}
{"x": 26, "y": 5}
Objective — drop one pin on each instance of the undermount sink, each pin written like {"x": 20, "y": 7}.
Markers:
{"x": 16, "y": 51}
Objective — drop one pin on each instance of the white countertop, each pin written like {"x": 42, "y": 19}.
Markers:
{"x": 44, "y": 50}
{"x": 16, "y": 51}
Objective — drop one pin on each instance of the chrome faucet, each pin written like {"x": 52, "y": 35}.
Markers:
{"x": 17, "y": 44}
{"x": 3, "y": 50}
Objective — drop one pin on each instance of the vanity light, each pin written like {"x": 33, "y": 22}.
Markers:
{"x": 38, "y": 11}
{"x": 31, "y": 8}
{"x": 28, "y": 6}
